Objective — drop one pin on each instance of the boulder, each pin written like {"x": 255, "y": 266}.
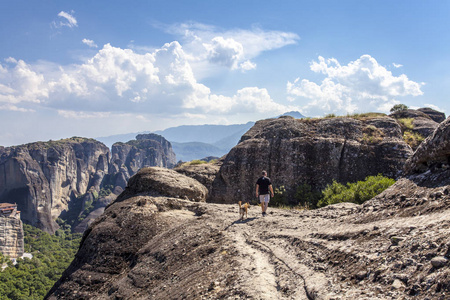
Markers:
{"x": 437, "y": 116}
{"x": 438, "y": 261}
{"x": 204, "y": 173}
{"x": 161, "y": 182}
{"x": 433, "y": 152}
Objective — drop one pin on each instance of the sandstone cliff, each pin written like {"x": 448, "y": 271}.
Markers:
{"x": 44, "y": 177}
{"x": 311, "y": 151}
{"x": 69, "y": 178}
{"x": 11, "y": 237}
{"x": 150, "y": 245}
{"x": 147, "y": 150}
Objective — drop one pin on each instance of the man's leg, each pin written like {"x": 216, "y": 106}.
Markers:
{"x": 261, "y": 200}
{"x": 266, "y": 206}
{"x": 266, "y": 203}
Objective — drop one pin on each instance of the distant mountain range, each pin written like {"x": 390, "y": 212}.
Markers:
{"x": 196, "y": 141}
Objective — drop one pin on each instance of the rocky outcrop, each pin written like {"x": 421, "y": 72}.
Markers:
{"x": 148, "y": 245}
{"x": 11, "y": 237}
{"x": 148, "y": 150}
{"x": 162, "y": 182}
{"x": 205, "y": 173}
{"x": 43, "y": 178}
{"x": 418, "y": 124}
{"x": 437, "y": 116}
{"x": 73, "y": 177}
{"x": 311, "y": 151}
{"x": 433, "y": 153}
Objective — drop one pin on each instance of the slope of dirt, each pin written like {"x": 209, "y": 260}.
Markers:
{"x": 165, "y": 248}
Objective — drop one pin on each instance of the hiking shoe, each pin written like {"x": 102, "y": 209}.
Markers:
{"x": 264, "y": 214}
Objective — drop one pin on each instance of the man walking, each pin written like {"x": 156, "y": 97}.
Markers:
{"x": 263, "y": 186}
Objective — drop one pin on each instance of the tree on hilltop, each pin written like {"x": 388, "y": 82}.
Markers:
{"x": 398, "y": 107}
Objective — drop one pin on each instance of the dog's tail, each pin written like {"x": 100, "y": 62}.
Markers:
{"x": 240, "y": 203}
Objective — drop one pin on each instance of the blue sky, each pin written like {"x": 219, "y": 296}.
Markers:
{"x": 98, "y": 68}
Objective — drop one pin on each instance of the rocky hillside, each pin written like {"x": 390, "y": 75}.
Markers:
{"x": 43, "y": 178}
{"x": 152, "y": 244}
{"x": 313, "y": 152}
{"x": 75, "y": 177}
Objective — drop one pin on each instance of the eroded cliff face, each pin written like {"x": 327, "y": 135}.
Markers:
{"x": 11, "y": 237}
{"x": 147, "y": 150}
{"x": 313, "y": 152}
{"x": 44, "y": 177}
{"x": 152, "y": 245}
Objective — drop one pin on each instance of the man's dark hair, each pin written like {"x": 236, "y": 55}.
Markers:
{"x": 264, "y": 173}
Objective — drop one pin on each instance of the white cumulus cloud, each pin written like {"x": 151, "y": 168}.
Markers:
{"x": 119, "y": 80}
{"x": 233, "y": 49}
{"x": 362, "y": 85}
{"x": 66, "y": 20}
{"x": 226, "y": 52}
{"x": 90, "y": 43}
{"x": 20, "y": 84}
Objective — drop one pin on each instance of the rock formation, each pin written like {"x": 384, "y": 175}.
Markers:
{"x": 148, "y": 150}
{"x": 161, "y": 182}
{"x": 433, "y": 154}
{"x": 204, "y": 173}
{"x": 43, "y": 178}
{"x": 437, "y": 116}
{"x": 11, "y": 231}
{"x": 421, "y": 123}
{"x": 150, "y": 245}
{"x": 311, "y": 151}
{"x": 63, "y": 178}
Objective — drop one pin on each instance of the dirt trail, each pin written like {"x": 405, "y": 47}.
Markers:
{"x": 270, "y": 266}
{"x": 328, "y": 253}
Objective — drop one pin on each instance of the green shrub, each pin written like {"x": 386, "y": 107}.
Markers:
{"x": 279, "y": 198}
{"x": 413, "y": 139}
{"x": 306, "y": 197}
{"x": 406, "y": 123}
{"x": 196, "y": 162}
{"x": 357, "y": 192}
{"x": 398, "y": 107}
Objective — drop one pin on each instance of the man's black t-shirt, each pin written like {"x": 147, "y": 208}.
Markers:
{"x": 263, "y": 183}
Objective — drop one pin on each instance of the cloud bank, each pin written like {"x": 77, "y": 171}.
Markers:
{"x": 117, "y": 81}
{"x": 361, "y": 86}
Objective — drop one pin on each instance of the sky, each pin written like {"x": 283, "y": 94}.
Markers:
{"x": 99, "y": 68}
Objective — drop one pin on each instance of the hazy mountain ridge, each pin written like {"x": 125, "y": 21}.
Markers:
{"x": 193, "y": 141}
{"x": 197, "y": 141}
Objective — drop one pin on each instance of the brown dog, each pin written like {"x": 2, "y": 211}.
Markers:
{"x": 243, "y": 209}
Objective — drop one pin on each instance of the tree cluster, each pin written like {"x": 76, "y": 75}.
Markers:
{"x": 33, "y": 278}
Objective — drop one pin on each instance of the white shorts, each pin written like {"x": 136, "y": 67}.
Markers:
{"x": 264, "y": 198}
